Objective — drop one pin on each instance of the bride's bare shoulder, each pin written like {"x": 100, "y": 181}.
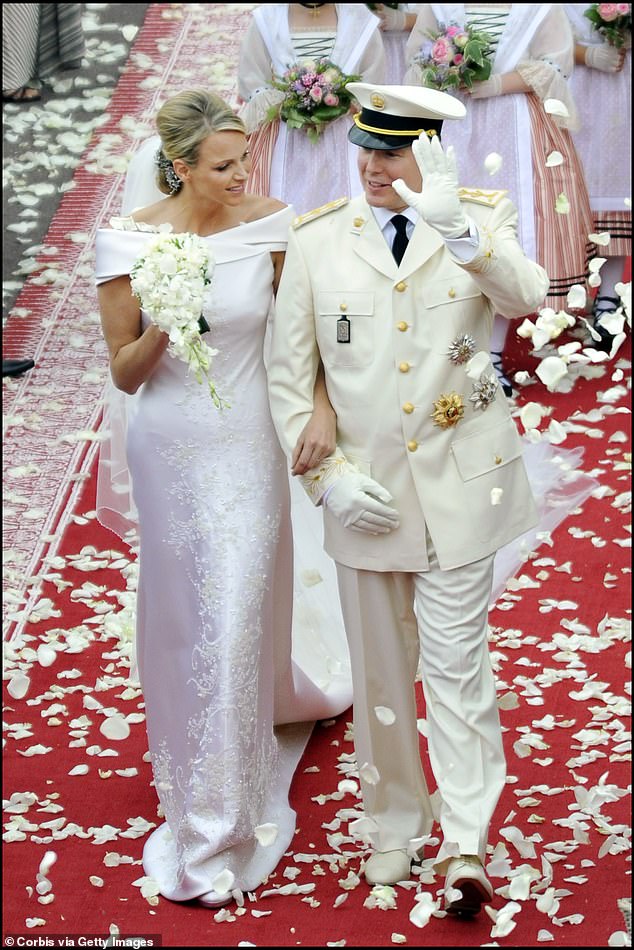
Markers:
{"x": 256, "y": 207}
{"x": 154, "y": 214}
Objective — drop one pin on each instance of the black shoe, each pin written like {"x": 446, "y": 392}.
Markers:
{"x": 16, "y": 367}
{"x": 504, "y": 381}
{"x": 603, "y": 304}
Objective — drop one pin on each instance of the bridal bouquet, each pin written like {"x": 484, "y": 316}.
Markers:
{"x": 169, "y": 280}
{"x": 454, "y": 57}
{"x": 613, "y": 21}
{"x": 314, "y": 95}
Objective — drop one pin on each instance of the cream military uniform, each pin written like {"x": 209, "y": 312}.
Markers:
{"x": 407, "y": 412}
{"x": 419, "y": 410}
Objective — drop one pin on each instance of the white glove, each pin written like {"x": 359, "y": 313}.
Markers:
{"x": 438, "y": 203}
{"x": 488, "y": 88}
{"x": 392, "y": 19}
{"x": 608, "y": 59}
{"x": 358, "y": 502}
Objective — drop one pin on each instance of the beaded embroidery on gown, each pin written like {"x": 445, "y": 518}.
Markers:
{"x": 215, "y": 594}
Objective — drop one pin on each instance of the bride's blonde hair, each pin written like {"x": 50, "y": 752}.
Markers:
{"x": 184, "y": 122}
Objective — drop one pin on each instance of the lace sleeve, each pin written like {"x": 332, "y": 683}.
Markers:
{"x": 549, "y": 64}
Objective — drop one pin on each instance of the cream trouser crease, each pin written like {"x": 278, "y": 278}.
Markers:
{"x": 464, "y": 735}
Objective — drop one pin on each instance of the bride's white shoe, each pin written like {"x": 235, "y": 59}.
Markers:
{"x": 214, "y": 899}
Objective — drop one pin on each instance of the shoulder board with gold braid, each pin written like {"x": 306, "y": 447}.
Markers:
{"x": 318, "y": 212}
{"x": 482, "y": 196}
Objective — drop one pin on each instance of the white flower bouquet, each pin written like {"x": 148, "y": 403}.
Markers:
{"x": 169, "y": 280}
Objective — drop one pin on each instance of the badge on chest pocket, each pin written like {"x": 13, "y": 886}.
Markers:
{"x": 343, "y": 330}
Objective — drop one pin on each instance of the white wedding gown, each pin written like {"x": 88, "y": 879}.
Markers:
{"x": 215, "y": 596}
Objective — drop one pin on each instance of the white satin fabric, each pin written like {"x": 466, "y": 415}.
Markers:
{"x": 215, "y": 599}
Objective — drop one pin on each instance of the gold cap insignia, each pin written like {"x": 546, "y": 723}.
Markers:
{"x": 377, "y": 101}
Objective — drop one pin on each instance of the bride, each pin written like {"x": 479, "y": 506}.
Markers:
{"x": 215, "y": 599}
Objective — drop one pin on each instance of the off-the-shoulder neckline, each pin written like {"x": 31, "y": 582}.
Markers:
{"x": 141, "y": 227}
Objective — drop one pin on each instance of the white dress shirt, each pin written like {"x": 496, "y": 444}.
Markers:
{"x": 463, "y": 248}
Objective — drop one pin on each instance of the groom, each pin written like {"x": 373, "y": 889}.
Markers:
{"x": 395, "y": 292}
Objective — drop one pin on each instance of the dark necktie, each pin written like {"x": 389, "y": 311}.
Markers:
{"x": 401, "y": 240}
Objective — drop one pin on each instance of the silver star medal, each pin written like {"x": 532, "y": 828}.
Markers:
{"x": 461, "y": 349}
{"x": 484, "y": 391}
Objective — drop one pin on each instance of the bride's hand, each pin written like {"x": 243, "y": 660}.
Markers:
{"x": 316, "y": 441}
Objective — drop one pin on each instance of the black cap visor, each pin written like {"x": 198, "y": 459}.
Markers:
{"x": 380, "y": 131}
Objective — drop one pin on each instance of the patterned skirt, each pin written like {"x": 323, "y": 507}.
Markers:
{"x": 61, "y": 42}
{"x": 562, "y": 238}
{"x": 20, "y": 30}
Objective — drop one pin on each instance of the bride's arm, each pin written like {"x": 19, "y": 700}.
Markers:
{"x": 318, "y": 438}
{"x": 134, "y": 352}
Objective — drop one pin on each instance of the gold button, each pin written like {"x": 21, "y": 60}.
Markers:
{"x": 408, "y": 408}
{"x": 404, "y": 367}
{"x": 452, "y": 292}
{"x": 401, "y": 286}
{"x": 412, "y": 446}
{"x": 402, "y": 326}
{"x": 343, "y": 307}
{"x": 498, "y": 459}
{"x": 358, "y": 222}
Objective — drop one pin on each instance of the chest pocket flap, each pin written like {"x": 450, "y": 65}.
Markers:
{"x": 346, "y": 302}
{"x": 450, "y": 290}
{"x": 488, "y": 450}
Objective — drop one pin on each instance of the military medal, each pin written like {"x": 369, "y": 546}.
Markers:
{"x": 343, "y": 330}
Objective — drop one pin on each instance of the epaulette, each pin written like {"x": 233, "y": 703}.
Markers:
{"x": 318, "y": 212}
{"x": 482, "y": 196}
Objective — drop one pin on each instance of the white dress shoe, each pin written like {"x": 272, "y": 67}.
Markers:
{"x": 213, "y": 899}
{"x": 467, "y": 887}
{"x": 387, "y": 867}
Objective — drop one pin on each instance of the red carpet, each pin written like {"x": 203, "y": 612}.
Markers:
{"x": 560, "y": 643}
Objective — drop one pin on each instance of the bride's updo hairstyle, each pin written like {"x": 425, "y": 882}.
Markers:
{"x": 184, "y": 122}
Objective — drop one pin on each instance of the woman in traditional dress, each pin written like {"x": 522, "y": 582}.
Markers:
{"x": 602, "y": 87}
{"x": 532, "y": 60}
{"x": 215, "y": 602}
{"x": 286, "y": 164}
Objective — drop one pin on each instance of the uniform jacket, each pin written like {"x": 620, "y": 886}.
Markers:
{"x": 408, "y": 413}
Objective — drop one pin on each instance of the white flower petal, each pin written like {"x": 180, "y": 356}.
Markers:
{"x": 385, "y": 715}
{"x": 423, "y": 909}
{"x": 531, "y": 415}
{"x": 477, "y": 364}
{"x": 496, "y": 496}
{"x": 493, "y": 163}
{"x": 556, "y": 107}
{"x": 603, "y": 238}
{"x": 555, "y": 158}
{"x": 266, "y": 833}
{"x": 577, "y": 297}
{"x": 223, "y": 882}
{"x": 18, "y": 685}
{"x": 115, "y": 728}
{"x": 47, "y": 862}
{"x": 562, "y": 205}
{"x": 80, "y": 770}
{"x": 369, "y": 774}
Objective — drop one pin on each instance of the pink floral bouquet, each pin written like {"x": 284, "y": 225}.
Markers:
{"x": 314, "y": 94}
{"x": 454, "y": 57}
{"x": 613, "y": 21}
